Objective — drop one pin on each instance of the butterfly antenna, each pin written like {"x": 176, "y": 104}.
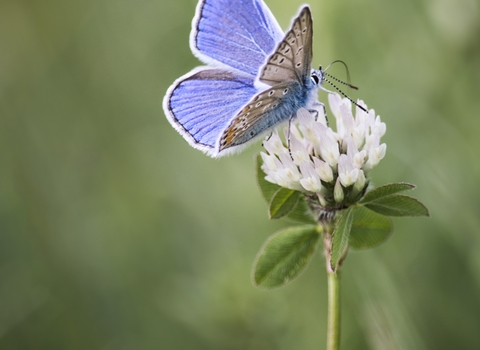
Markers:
{"x": 343, "y": 94}
{"x": 338, "y": 80}
{"x": 351, "y": 86}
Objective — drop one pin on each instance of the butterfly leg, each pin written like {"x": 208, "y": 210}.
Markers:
{"x": 288, "y": 136}
{"x": 268, "y": 137}
{"x": 316, "y": 110}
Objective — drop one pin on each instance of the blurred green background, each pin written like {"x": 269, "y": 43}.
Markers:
{"x": 115, "y": 234}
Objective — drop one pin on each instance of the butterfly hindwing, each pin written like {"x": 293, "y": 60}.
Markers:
{"x": 200, "y": 105}
{"x": 263, "y": 111}
{"x": 293, "y": 57}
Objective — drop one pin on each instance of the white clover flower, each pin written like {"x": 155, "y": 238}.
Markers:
{"x": 317, "y": 160}
{"x": 310, "y": 181}
{"x": 347, "y": 173}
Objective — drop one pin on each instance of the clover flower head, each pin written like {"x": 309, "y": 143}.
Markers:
{"x": 330, "y": 165}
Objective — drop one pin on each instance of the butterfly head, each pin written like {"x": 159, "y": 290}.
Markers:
{"x": 317, "y": 77}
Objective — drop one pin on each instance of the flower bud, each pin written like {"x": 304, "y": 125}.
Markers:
{"x": 338, "y": 191}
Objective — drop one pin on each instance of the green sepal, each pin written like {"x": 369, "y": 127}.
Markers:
{"x": 302, "y": 213}
{"x": 340, "y": 237}
{"x": 398, "y": 205}
{"x": 369, "y": 229}
{"x": 386, "y": 190}
{"x": 284, "y": 256}
{"x": 267, "y": 188}
{"x": 283, "y": 202}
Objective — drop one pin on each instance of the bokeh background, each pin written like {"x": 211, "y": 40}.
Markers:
{"x": 115, "y": 234}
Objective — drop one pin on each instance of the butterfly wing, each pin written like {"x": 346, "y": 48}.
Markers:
{"x": 288, "y": 70}
{"x": 264, "y": 111}
{"x": 200, "y": 105}
{"x": 234, "y": 33}
{"x": 292, "y": 60}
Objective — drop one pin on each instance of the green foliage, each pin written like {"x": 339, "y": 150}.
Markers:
{"x": 283, "y": 202}
{"x": 284, "y": 255}
{"x": 369, "y": 229}
{"x": 384, "y": 200}
{"x": 386, "y": 190}
{"x": 302, "y": 213}
{"x": 398, "y": 205}
{"x": 340, "y": 237}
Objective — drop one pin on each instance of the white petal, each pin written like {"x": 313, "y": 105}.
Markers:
{"x": 360, "y": 114}
{"x": 346, "y": 172}
{"x": 375, "y": 155}
{"x": 311, "y": 184}
{"x": 307, "y": 170}
{"x": 293, "y": 173}
{"x": 344, "y": 164}
{"x": 358, "y": 135}
{"x": 269, "y": 163}
{"x": 360, "y": 183}
{"x": 359, "y": 159}
{"x": 298, "y": 150}
{"x": 382, "y": 150}
{"x": 274, "y": 144}
{"x": 323, "y": 170}
{"x": 329, "y": 149}
{"x": 304, "y": 117}
{"x": 346, "y": 123}
{"x": 349, "y": 177}
{"x": 289, "y": 179}
{"x": 310, "y": 179}
{"x": 334, "y": 101}
{"x": 379, "y": 129}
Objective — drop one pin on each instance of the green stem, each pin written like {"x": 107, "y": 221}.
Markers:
{"x": 333, "y": 331}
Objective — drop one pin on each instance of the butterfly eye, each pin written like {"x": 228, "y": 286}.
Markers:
{"x": 315, "y": 79}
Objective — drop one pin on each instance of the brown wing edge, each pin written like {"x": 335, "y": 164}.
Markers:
{"x": 284, "y": 51}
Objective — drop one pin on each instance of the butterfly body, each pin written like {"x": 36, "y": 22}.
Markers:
{"x": 255, "y": 80}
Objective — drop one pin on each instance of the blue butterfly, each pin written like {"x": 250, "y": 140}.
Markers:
{"x": 256, "y": 77}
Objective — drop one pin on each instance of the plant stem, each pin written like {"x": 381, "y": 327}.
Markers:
{"x": 333, "y": 331}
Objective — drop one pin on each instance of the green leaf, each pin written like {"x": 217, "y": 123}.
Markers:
{"x": 340, "y": 237}
{"x": 369, "y": 229}
{"x": 302, "y": 213}
{"x": 386, "y": 190}
{"x": 266, "y": 187}
{"x": 284, "y": 256}
{"x": 283, "y": 202}
{"x": 398, "y": 205}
